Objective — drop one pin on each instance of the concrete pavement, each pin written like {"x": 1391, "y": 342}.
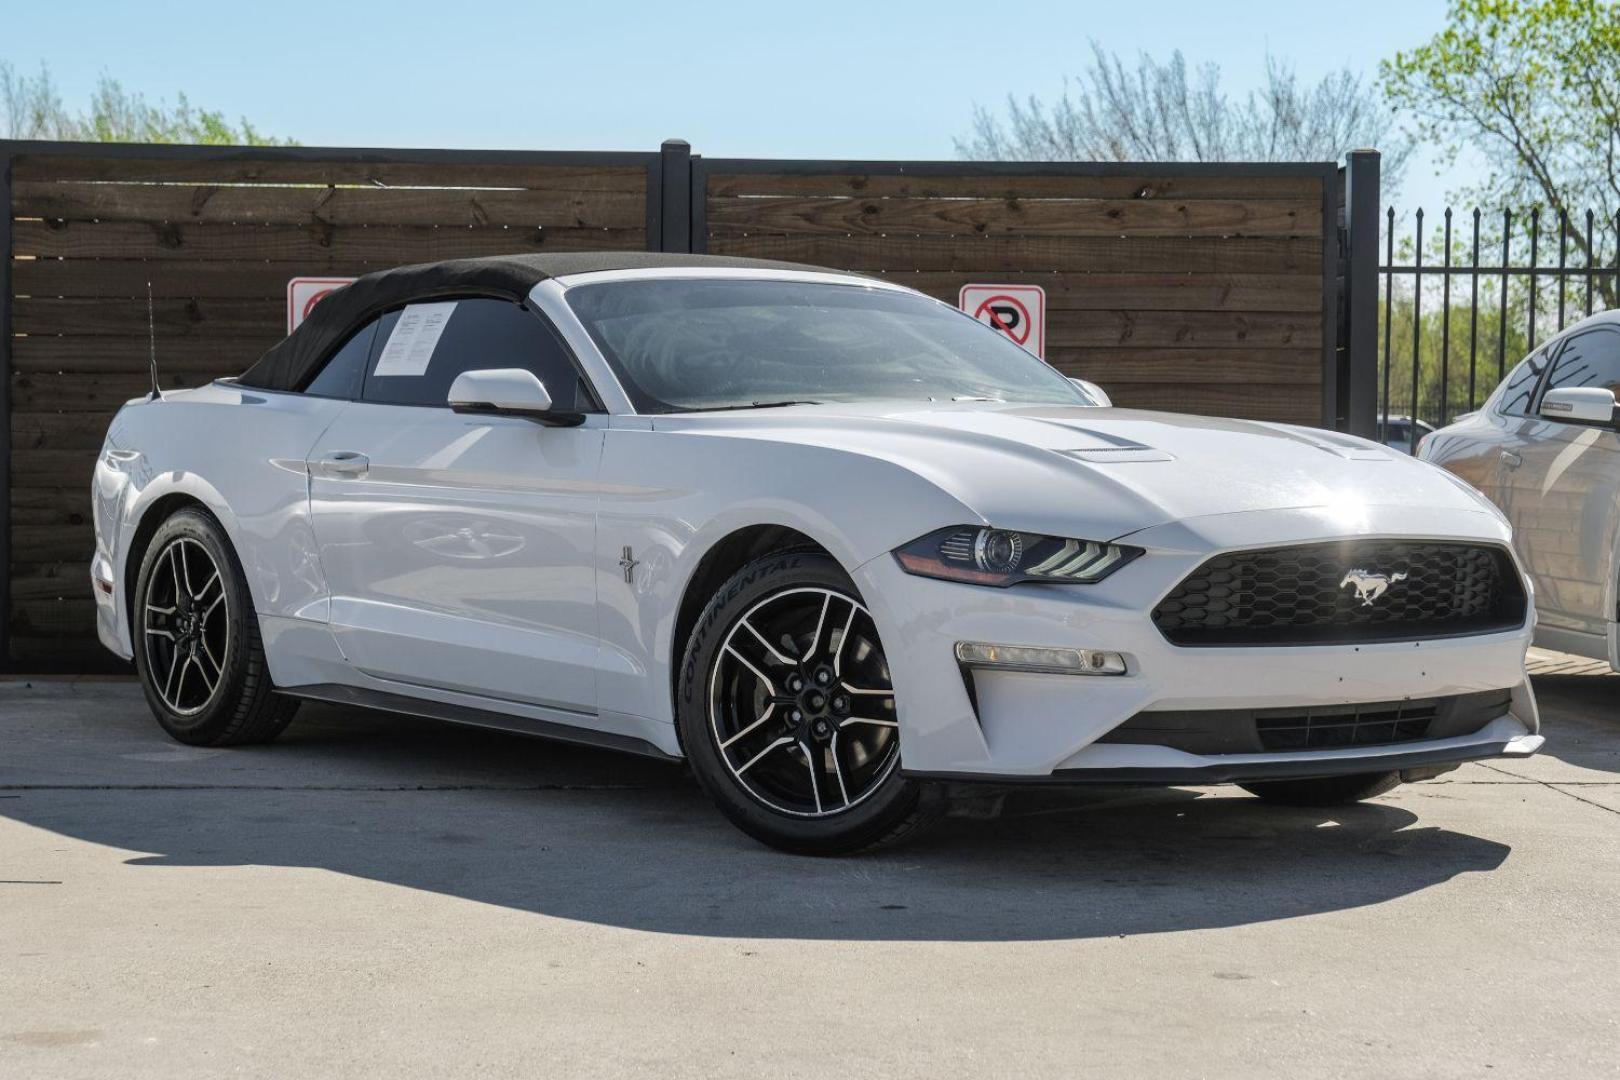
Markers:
{"x": 373, "y": 895}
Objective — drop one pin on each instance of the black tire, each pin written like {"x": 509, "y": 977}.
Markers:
{"x": 1326, "y": 790}
{"x": 890, "y": 808}
{"x": 178, "y": 638}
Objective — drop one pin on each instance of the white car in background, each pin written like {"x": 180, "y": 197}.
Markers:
{"x": 1545, "y": 449}
{"x": 834, "y": 543}
{"x": 1397, "y": 432}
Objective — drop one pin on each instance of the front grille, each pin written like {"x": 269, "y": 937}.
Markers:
{"x": 1313, "y": 593}
{"x": 1320, "y": 727}
{"x": 1325, "y": 729}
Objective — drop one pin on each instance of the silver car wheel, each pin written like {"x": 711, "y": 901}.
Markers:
{"x": 185, "y": 619}
{"x": 800, "y": 704}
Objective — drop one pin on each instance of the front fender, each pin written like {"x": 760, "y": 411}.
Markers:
{"x": 672, "y": 496}
{"x": 241, "y": 456}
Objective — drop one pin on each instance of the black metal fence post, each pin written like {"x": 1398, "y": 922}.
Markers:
{"x": 675, "y": 220}
{"x": 6, "y": 156}
{"x": 1359, "y": 399}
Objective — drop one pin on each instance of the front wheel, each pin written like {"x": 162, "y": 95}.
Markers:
{"x": 787, "y": 714}
{"x": 1326, "y": 790}
{"x": 197, "y": 647}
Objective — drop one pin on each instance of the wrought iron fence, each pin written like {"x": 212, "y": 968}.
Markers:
{"x": 1452, "y": 326}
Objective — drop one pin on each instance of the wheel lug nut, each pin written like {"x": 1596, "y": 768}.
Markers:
{"x": 841, "y": 703}
{"x": 823, "y": 677}
{"x": 797, "y": 716}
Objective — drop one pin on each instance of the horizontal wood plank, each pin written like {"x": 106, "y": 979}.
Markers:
{"x": 318, "y": 247}
{"x": 54, "y": 431}
{"x": 56, "y": 518}
{"x": 1173, "y": 366}
{"x": 1027, "y": 186}
{"x": 1140, "y": 292}
{"x": 169, "y": 318}
{"x": 199, "y": 358}
{"x": 1003, "y": 254}
{"x": 227, "y": 279}
{"x": 1289, "y": 404}
{"x": 1017, "y": 217}
{"x": 265, "y": 205}
{"x": 38, "y": 543}
{"x": 1186, "y": 329}
{"x": 362, "y": 168}
{"x": 78, "y": 656}
{"x": 74, "y": 392}
{"x": 32, "y": 584}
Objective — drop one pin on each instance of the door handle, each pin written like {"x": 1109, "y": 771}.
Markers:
{"x": 1511, "y": 460}
{"x": 342, "y": 463}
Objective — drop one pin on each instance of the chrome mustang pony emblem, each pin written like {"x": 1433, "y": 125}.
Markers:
{"x": 1370, "y": 587}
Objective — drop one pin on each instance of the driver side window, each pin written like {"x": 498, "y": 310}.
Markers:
{"x": 1590, "y": 358}
{"x": 421, "y": 348}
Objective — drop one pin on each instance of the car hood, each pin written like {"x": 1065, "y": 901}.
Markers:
{"x": 1114, "y": 471}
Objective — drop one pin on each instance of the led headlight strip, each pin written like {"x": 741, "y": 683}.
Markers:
{"x": 984, "y": 556}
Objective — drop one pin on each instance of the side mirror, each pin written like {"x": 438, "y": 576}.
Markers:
{"x": 1578, "y": 405}
{"x": 1093, "y": 391}
{"x": 507, "y": 392}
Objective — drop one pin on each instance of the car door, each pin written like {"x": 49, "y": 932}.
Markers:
{"x": 1563, "y": 483}
{"x": 1481, "y": 450}
{"x": 458, "y": 548}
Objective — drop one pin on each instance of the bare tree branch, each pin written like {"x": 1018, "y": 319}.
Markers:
{"x": 1168, "y": 112}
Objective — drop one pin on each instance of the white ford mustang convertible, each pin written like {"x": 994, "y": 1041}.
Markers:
{"x": 840, "y": 547}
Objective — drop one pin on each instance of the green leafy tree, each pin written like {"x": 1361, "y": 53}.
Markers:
{"x": 31, "y": 107}
{"x": 1534, "y": 88}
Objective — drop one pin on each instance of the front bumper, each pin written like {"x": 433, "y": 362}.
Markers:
{"x": 1041, "y": 727}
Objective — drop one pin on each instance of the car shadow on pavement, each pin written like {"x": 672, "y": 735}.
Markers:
{"x": 1584, "y": 713}
{"x": 596, "y": 837}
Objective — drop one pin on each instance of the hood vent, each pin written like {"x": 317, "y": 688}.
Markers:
{"x": 1116, "y": 455}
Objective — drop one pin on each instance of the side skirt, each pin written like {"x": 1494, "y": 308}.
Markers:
{"x": 338, "y": 694}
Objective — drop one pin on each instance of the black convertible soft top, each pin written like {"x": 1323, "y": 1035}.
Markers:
{"x": 288, "y": 364}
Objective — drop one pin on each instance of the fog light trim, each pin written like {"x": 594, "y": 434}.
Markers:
{"x": 1051, "y": 661}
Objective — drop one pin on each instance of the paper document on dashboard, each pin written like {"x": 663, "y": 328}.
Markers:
{"x": 415, "y": 336}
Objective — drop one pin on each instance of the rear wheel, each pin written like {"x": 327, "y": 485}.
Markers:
{"x": 197, "y": 647}
{"x": 787, "y": 714}
{"x": 1326, "y": 790}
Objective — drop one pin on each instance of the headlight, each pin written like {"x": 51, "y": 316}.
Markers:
{"x": 984, "y": 556}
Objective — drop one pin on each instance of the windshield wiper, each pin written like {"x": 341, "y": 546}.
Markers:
{"x": 754, "y": 405}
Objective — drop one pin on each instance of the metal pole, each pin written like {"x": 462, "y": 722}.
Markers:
{"x": 1417, "y": 330}
{"x": 676, "y": 219}
{"x": 1501, "y": 311}
{"x": 1445, "y": 328}
{"x": 1389, "y": 318}
{"x": 1563, "y": 245}
{"x": 1591, "y": 260}
{"x": 1535, "y": 235}
{"x": 1361, "y": 195}
{"x": 1473, "y": 317}
{"x": 5, "y": 408}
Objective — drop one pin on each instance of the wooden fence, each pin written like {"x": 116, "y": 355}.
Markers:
{"x": 1195, "y": 289}
{"x": 1198, "y": 288}
{"x": 218, "y": 237}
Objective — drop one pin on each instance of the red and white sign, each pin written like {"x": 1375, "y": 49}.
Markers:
{"x": 303, "y": 293}
{"x": 1018, "y": 311}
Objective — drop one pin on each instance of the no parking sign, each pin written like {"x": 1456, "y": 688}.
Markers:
{"x": 303, "y": 293}
{"x": 1017, "y": 311}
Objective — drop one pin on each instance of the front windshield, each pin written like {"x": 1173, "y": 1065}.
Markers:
{"x": 684, "y": 344}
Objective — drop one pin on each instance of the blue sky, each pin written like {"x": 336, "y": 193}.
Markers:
{"x": 830, "y": 79}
